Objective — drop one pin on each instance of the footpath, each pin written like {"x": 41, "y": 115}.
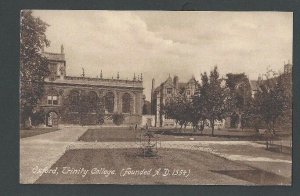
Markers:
{"x": 42, "y": 151}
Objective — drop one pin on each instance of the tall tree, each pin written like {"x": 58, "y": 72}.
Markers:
{"x": 198, "y": 110}
{"x": 240, "y": 91}
{"x": 215, "y": 97}
{"x": 178, "y": 108}
{"x": 33, "y": 66}
{"x": 272, "y": 100}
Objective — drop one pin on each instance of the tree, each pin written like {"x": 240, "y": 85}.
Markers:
{"x": 178, "y": 108}
{"x": 240, "y": 91}
{"x": 199, "y": 116}
{"x": 272, "y": 100}
{"x": 33, "y": 66}
{"x": 118, "y": 119}
{"x": 216, "y": 101}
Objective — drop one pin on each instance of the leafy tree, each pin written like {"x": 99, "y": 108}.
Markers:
{"x": 178, "y": 108}
{"x": 240, "y": 91}
{"x": 38, "y": 117}
{"x": 272, "y": 99}
{"x": 118, "y": 119}
{"x": 215, "y": 100}
{"x": 199, "y": 116}
{"x": 33, "y": 66}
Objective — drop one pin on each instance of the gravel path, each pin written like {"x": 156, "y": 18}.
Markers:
{"x": 42, "y": 151}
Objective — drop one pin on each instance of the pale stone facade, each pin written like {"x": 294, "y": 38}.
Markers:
{"x": 124, "y": 96}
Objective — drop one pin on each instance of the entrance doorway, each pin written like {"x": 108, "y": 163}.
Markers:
{"x": 149, "y": 122}
{"x": 52, "y": 119}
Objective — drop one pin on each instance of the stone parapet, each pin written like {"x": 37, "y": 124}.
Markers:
{"x": 97, "y": 82}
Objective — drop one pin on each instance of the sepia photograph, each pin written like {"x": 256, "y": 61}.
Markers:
{"x": 156, "y": 97}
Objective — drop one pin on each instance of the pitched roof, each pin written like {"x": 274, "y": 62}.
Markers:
{"x": 54, "y": 56}
{"x": 181, "y": 84}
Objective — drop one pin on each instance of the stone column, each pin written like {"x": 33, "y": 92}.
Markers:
{"x": 138, "y": 101}
{"x": 133, "y": 103}
{"x": 120, "y": 102}
{"x": 115, "y": 101}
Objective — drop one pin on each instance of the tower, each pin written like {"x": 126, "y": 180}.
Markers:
{"x": 152, "y": 98}
{"x": 175, "y": 83}
{"x": 134, "y": 78}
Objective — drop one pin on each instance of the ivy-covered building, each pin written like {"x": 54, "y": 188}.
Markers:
{"x": 88, "y": 101}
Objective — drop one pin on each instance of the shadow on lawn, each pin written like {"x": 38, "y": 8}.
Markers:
{"x": 256, "y": 176}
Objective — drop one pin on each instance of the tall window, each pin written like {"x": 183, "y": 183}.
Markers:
{"x": 126, "y": 103}
{"x": 109, "y": 102}
{"x": 74, "y": 100}
{"x": 92, "y": 99}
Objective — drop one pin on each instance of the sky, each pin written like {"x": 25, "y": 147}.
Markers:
{"x": 162, "y": 43}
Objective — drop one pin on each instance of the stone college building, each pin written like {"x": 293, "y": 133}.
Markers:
{"x": 86, "y": 100}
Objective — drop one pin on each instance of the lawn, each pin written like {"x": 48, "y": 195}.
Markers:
{"x": 114, "y": 134}
{"x": 36, "y": 131}
{"x": 108, "y": 166}
{"x": 109, "y": 134}
{"x": 219, "y": 135}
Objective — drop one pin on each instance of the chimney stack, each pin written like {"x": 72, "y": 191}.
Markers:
{"x": 62, "y": 49}
{"x": 175, "y": 81}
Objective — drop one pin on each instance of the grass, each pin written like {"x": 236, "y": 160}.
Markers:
{"x": 36, "y": 131}
{"x": 219, "y": 135}
{"x": 203, "y": 168}
{"x": 113, "y": 134}
{"x": 109, "y": 134}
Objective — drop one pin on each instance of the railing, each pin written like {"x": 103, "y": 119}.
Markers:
{"x": 148, "y": 143}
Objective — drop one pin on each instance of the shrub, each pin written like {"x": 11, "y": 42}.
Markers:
{"x": 118, "y": 118}
{"x": 38, "y": 118}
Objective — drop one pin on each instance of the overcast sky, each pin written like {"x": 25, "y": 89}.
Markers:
{"x": 159, "y": 43}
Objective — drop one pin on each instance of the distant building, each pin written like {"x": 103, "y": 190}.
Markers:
{"x": 63, "y": 95}
{"x": 254, "y": 84}
{"x": 254, "y": 87}
{"x": 165, "y": 90}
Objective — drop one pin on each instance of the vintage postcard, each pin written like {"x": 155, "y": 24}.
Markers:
{"x": 156, "y": 97}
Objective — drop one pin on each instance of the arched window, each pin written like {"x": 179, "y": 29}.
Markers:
{"x": 74, "y": 100}
{"x": 92, "y": 101}
{"x": 126, "y": 103}
{"x": 109, "y": 102}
